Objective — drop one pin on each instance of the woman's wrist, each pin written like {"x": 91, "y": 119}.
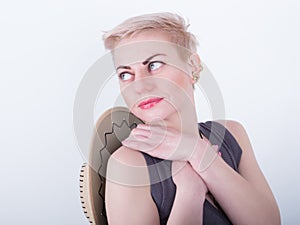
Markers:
{"x": 202, "y": 159}
{"x": 187, "y": 190}
{"x": 184, "y": 192}
{"x": 187, "y": 208}
{"x": 187, "y": 180}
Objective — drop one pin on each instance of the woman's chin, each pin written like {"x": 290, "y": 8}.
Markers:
{"x": 158, "y": 116}
{"x": 149, "y": 115}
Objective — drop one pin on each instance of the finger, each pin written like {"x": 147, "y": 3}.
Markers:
{"x": 147, "y": 141}
{"x": 144, "y": 126}
{"x": 136, "y": 137}
{"x": 140, "y": 132}
{"x": 144, "y": 136}
{"x": 164, "y": 131}
{"x": 154, "y": 136}
{"x": 152, "y": 130}
{"x": 158, "y": 129}
{"x": 138, "y": 145}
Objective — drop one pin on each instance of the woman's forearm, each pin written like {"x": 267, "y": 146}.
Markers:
{"x": 187, "y": 208}
{"x": 241, "y": 201}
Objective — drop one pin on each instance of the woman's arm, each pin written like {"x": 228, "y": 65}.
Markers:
{"x": 246, "y": 196}
{"x": 125, "y": 201}
{"x": 190, "y": 195}
{"x": 131, "y": 204}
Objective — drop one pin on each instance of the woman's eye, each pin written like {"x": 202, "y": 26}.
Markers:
{"x": 155, "y": 65}
{"x": 125, "y": 76}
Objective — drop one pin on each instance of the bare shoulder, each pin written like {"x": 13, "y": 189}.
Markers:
{"x": 238, "y": 132}
{"x": 248, "y": 161}
{"x": 127, "y": 192}
{"x": 127, "y": 166}
{"x": 232, "y": 125}
{"x": 248, "y": 166}
{"x": 129, "y": 156}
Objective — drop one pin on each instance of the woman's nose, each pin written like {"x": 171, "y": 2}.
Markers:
{"x": 143, "y": 82}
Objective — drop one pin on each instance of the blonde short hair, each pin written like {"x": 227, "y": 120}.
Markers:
{"x": 171, "y": 23}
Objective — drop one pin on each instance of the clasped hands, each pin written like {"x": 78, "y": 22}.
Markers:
{"x": 190, "y": 154}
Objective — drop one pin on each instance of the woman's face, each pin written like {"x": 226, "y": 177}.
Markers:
{"x": 154, "y": 78}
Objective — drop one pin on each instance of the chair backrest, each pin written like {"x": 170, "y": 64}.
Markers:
{"x": 112, "y": 127}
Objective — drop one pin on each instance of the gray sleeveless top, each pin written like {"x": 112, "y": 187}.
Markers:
{"x": 163, "y": 192}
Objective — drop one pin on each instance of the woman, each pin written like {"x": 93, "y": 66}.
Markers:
{"x": 190, "y": 180}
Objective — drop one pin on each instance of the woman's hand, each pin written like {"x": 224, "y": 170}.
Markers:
{"x": 167, "y": 143}
{"x": 161, "y": 142}
{"x": 187, "y": 180}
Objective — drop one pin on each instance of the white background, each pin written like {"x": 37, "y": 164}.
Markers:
{"x": 252, "y": 49}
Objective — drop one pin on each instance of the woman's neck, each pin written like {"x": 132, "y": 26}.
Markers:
{"x": 184, "y": 121}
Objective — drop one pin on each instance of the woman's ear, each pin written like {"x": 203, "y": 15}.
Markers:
{"x": 195, "y": 63}
{"x": 196, "y": 67}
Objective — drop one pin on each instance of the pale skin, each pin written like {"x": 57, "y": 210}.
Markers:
{"x": 245, "y": 197}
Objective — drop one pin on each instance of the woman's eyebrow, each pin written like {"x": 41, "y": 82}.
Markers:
{"x": 144, "y": 63}
{"x": 151, "y": 57}
{"x": 124, "y": 67}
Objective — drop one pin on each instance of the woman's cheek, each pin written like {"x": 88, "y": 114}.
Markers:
{"x": 182, "y": 80}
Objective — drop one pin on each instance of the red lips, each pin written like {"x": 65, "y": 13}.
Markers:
{"x": 149, "y": 103}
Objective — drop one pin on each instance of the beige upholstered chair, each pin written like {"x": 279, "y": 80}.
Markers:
{"x": 112, "y": 127}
